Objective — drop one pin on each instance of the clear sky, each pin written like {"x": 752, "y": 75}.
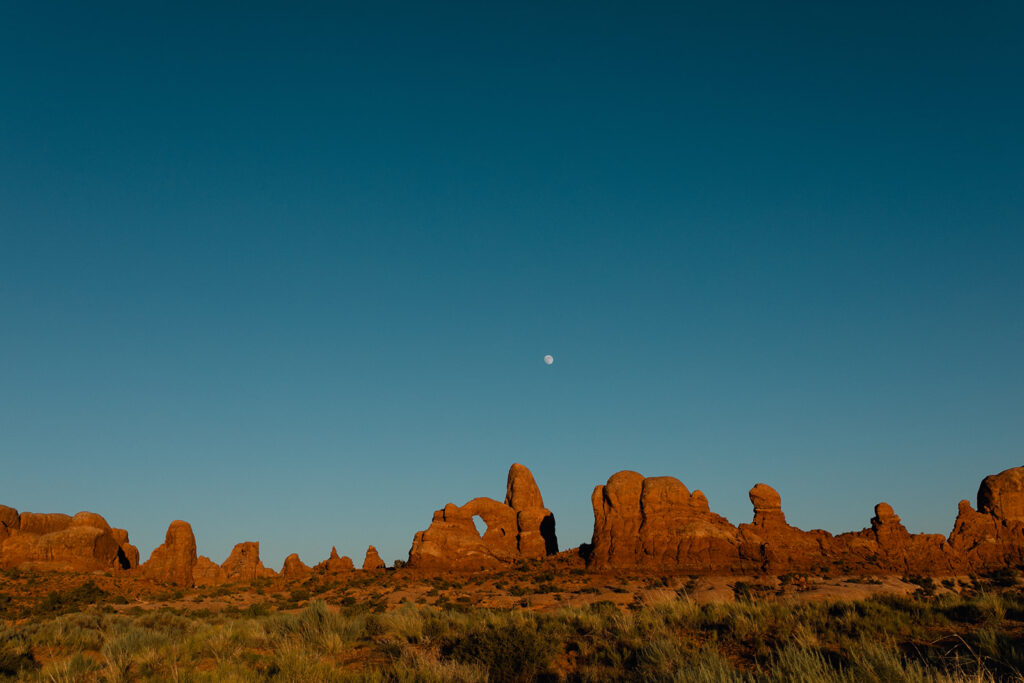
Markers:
{"x": 289, "y": 271}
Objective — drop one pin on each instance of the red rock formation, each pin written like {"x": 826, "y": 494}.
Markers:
{"x": 174, "y": 561}
{"x": 44, "y": 523}
{"x": 10, "y": 522}
{"x": 129, "y": 556}
{"x": 656, "y": 523}
{"x": 992, "y": 536}
{"x": 9, "y": 518}
{"x": 295, "y": 569}
{"x": 58, "y": 542}
{"x": 535, "y": 524}
{"x": 206, "y": 572}
{"x": 244, "y": 563}
{"x": 372, "y": 560}
{"x": 776, "y": 545}
{"x": 334, "y": 565}
{"x": 1002, "y": 495}
{"x": 521, "y": 527}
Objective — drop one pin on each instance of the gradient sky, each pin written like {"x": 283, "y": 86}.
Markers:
{"x": 289, "y": 271}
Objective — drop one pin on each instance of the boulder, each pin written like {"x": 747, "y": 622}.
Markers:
{"x": 372, "y": 560}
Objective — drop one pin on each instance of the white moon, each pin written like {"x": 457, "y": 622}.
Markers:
{"x": 549, "y": 359}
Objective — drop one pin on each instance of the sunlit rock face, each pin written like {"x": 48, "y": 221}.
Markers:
{"x": 655, "y": 523}
{"x": 59, "y": 542}
{"x": 519, "y": 528}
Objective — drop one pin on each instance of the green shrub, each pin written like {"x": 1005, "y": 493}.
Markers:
{"x": 509, "y": 651}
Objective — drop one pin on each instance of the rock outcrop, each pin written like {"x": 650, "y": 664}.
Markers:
{"x": 243, "y": 564}
{"x": 991, "y": 536}
{"x": 334, "y": 564}
{"x": 656, "y": 523}
{"x": 519, "y": 528}
{"x": 59, "y": 542}
{"x": 294, "y": 569}
{"x": 372, "y": 560}
{"x": 174, "y": 560}
{"x": 640, "y": 523}
{"x": 1002, "y": 495}
{"x": 177, "y": 562}
{"x": 773, "y": 543}
{"x": 206, "y": 572}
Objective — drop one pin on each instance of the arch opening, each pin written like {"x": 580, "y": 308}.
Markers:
{"x": 480, "y": 524}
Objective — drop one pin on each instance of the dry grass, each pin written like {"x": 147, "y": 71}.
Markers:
{"x": 649, "y": 630}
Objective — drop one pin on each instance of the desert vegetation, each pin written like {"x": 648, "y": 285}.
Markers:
{"x": 953, "y": 631}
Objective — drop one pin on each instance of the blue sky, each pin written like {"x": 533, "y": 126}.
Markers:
{"x": 289, "y": 271}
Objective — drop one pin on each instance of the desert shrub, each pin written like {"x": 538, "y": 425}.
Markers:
{"x": 926, "y": 584}
{"x": 514, "y": 650}
{"x": 257, "y": 609}
{"x": 316, "y": 627}
{"x": 15, "y": 654}
{"x": 70, "y": 601}
{"x": 1003, "y": 577}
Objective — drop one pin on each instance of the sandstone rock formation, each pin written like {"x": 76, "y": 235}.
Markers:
{"x": 295, "y": 569}
{"x": 991, "y": 536}
{"x": 1002, "y": 495}
{"x": 174, "y": 560}
{"x": 773, "y": 543}
{"x": 521, "y": 527}
{"x": 334, "y": 565}
{"x": 206, "y": 572}
{"x": 59, "y": 542}
{"x": 656, "y": 523}
{"x": 372, "y": 560}
{"x": 44, "y": 523}
{"x": 177, "y": 562}
{"x": 9, "y": 518}
{"x": 243, "y": 564}
{"x": 640, "y": 523}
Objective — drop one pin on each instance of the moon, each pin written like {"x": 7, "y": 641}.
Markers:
{"x": 549, "y": 359}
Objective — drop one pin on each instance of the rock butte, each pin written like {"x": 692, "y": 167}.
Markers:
{"x": 640, "y": 523}
{"x": 59, "y": 542}
{"x": 656, "y": 523}
{"x": 519, "y": 528}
